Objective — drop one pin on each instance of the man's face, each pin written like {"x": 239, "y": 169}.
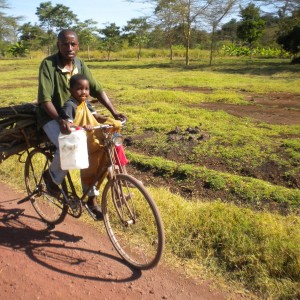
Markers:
{"x": 68, "y": 46}
{"x": 81, "y": 90}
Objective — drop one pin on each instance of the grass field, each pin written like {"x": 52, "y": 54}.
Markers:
{"x": 229, "y": 193}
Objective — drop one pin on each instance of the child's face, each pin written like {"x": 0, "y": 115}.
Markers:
{"x": 81, "y": 90}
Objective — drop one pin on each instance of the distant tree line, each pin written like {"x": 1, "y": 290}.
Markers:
{"x": 187, "y": 23}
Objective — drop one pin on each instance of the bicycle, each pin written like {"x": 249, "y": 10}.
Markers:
{"x": 130, "y": 215}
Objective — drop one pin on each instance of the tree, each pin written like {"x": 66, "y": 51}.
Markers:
{"x": 31, "y": 36}
{"x": 270, "y": 34}
{"x": 86, "y": 32}
{"x": 54, "y": 18}
{"x": 287, "y": 23}
{"x": 8, "y": 27}
{"x": 111, "y": 40}
{"x": 8, "y": 24}
{"x": 58, "y": 17}
{"x": 228, "y": 31}
{"x": 167, "y": 22}
{"x": 291, "y": 42}
{"x": 251, "y": 26}
{"x": 215, "y": 14}
{"x": 18, "y": 49}
{"x": 282, "y": 8}
{"x": 284, "y": 11}
{"x": 188, "y": 12}
{"x": 137, "y": 31}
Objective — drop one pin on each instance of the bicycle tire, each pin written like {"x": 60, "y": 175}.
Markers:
{"x": 51, "y": 209}
{"x": 133, "y": 222}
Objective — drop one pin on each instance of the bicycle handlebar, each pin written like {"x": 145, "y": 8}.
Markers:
{"x": 107, "y": 125}
{"x": 102, "y": 126}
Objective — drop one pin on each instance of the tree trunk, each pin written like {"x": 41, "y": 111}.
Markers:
{"x": 212, "y": 45}
{"x": 139, "y": 53}
{"x": 187, "y": 53}
{"x": 171, "y": 52}
{"x": 187, "y": 46}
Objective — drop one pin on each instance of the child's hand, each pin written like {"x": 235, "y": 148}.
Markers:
{"x": 88, "y": 127}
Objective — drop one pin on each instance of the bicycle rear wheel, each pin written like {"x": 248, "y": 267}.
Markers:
{"x": 133, "y": 222}
{"x": 52, "y": 210}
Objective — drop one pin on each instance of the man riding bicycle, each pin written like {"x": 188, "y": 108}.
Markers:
{"x": 53, "y": 91}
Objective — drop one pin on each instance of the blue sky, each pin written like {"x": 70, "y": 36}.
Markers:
{"x": 101, "y": 11}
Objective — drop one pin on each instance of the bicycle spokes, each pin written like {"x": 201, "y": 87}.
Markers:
{"x": 121, "y": 197}
{"x": 51, "y": 209}
{"x": 132, "y": 222}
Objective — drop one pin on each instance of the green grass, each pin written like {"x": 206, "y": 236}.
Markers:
{"x": 260, "y": 250}
{"x": 232, "y": 140}
{"x": 149, "y": 75}
{"x": 245, "y": 189}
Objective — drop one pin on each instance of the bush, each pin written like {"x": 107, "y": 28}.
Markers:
{"x": 233, "y": 50}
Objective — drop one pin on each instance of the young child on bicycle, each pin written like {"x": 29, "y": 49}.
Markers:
{"x": 78, "y": 110}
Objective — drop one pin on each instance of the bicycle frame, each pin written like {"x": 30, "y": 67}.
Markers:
{"x": 68, "y": 189}
{"x": 114, "y": 167}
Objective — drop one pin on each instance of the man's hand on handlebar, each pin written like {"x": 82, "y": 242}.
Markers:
{"x": 120, "y": 116}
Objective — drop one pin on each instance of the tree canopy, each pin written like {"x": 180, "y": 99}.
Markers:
{"x": 180, "y": 23}
{"x": 251, "y": 26}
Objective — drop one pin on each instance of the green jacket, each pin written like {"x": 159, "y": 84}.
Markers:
{"x": 54, "y": 85}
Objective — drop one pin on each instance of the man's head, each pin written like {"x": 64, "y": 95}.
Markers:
{"x": 79, "y": 87}
{"x": 67, "y": 44}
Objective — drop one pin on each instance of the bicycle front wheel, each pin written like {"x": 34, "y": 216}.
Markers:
{"x": 133, "y": 222}
{"x": 51, "y": 209}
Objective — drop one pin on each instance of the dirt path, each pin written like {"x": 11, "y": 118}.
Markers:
{"x": 74, "y": 261}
